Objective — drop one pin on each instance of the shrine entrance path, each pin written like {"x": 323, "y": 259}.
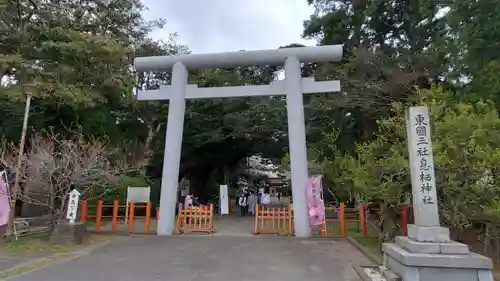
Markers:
{"x": 234, "y": 225}
{"x": 210, "y": 258}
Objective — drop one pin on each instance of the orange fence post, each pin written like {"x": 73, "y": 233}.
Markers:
{"x": 404, "y": 219}
{"x": 273, "y": 218}
{"x": 362, "y": 219}
{"x": 98, "y": 215}
{"x": 256, "y": 220}
{"x": 262, "y": 215}
{"x": 199, "y": 217}
{"x": 323, "y": 227}
{"x": 157, "y": 213}
{"x": 342, "y": 220}
{"x": 83, "y": 215}
{"x": 180, "y": 218}
{"x": 280, "y": 218}
{"x": 147, "y": 220}
{"x": 131, "y": 217}
{"x": 114, "y": 220}
{"x": 186, "y": 213}
{"x": 212, "y": 226}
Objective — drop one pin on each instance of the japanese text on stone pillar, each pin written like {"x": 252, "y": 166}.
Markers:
{"x": 421, "y": 128}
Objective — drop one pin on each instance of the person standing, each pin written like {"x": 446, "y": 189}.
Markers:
{"x": 252, "y": 201}
{"x": 265, "y": 199}
{"x": 243, "y": 203}
{"x": 196, "y": 201}
{"x": 188, "y": 201}
{"x": 188, "y": 204}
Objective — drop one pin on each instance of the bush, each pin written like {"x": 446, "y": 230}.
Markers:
{"x": 118, "y": 191}
{"x": 466, "y": 144}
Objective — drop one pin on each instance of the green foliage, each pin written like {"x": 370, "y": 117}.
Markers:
{"x": 285, "y": 162}
{"x": 118, "y": 190}
{"x": 466, "y": 152}
{"x": 75, "y": 59}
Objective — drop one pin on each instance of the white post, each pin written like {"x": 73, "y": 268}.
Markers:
{"x": 224, "y": 200}
{"x": 297, "y": 144}
{"x": 73, "y": 199}
{"x": 172, "y": 154}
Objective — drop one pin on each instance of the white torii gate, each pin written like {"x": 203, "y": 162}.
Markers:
{"x": 293, "y": 87}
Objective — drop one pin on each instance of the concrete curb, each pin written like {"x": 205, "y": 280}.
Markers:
{"x": 364, "y": 251}
{"x": 109, "y": 232}
{"x": 39, "y": 263}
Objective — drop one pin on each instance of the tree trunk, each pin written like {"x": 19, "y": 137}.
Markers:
{"x": 57, "y": 212}
{"x": 52, "y": 208}
{"x": 388, "y": 226}
{"x": 144, "y": 158}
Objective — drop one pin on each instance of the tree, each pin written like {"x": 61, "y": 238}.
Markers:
{"x": 72, "y": 56}
{"x": 391, "y": 48}
{"x": 473, "y": 38}
{"x": 466, "y": 150}
{"x": 53, "y": 166}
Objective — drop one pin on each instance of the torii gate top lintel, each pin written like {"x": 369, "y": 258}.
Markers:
{"x": 241, "y": 58}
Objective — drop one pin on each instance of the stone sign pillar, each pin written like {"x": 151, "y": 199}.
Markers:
{"x": 428, "y": 254}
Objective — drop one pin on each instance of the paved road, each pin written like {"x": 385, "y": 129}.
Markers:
{"x": 9, "y": 260}
{"x": 234, "y": 225}
{"x": 202, "y": 258}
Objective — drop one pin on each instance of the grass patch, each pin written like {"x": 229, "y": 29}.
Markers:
{"x": 353, "y": 229}
{"x": 39, "y": 243}
{"x": 35, "y": 243}
{"x": 104, "y": 223}
{"x": 372, "y": 245}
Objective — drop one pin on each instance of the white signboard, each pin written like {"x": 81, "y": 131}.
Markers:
{"x": 138, "y": 195}
{"x": 423, "y": 181}
{"x": 74, "y": 196}
{"x": 224, "y": 200}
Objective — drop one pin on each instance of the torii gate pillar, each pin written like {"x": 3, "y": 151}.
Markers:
{"x": 293, "y": 87}
{"x": 172, "y": 153}
{"x": 297, "y": 145}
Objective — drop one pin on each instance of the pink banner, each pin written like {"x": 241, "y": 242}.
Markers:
{"x": 4, "y": 201}
{"x": 316, "y": 206}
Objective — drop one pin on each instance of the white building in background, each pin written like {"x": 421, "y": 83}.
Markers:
{"x": 261, "y": 166}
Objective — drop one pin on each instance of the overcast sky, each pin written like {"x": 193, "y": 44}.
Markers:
{"x": 208, "y": 26}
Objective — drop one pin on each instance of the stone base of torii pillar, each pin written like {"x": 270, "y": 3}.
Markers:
{"x": 428, "y": 254}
